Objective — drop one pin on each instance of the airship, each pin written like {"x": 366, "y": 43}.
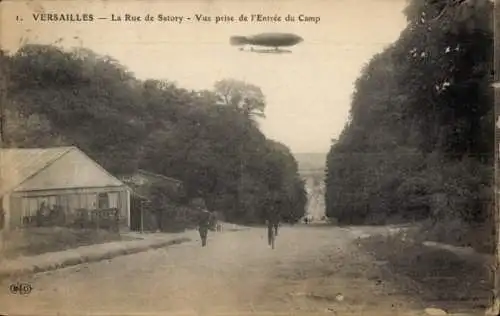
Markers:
{"x": 275, "y": 40}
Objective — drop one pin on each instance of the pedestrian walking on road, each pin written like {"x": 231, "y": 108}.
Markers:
{"x": 203, "y": 226}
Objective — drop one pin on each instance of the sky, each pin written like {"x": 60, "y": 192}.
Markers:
{"x": 307, "y": 92}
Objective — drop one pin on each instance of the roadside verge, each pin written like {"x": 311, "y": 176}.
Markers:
{"x": 92, "y": 253}
{"x": 455, "y": 280}
{"x": 61, "y": 259}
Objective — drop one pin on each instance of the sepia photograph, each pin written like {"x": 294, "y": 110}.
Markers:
{"x": 230, "y": 157}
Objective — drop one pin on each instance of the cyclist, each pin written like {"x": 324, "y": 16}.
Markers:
{"x": 272, "y": 224}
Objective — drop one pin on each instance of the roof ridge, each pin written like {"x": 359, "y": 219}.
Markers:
{"x": 44, "y": 148}
{"x": 158, "y": 175}
{"x": 46, "y": 156}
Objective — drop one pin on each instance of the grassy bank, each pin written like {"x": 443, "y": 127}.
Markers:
{"x": 438, "y": 277}
{"x": 35, "y": 241}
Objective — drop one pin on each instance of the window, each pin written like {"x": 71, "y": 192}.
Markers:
{"x": 32, "y": 207}
{"x": 103, "y": 200}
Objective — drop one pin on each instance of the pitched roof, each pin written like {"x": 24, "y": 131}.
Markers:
{"x": 35, "y": 169}
{"x": 141, "y": 182}
{"x": 19, "y": 164}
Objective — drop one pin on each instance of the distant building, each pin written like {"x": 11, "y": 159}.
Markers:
{"x": 315, "y": 189}
{"x": 142, "y": 183}
{"x": 64, "y": 177}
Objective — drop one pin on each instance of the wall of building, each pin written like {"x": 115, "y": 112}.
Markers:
{"x": 28, "y": 203}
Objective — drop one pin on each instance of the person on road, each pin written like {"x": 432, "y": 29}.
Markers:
{"x": 203, "y": 226}
{"x": 2, "y": 218}
{"x": 269, "y": 231}
{"x": 272, "y": 224}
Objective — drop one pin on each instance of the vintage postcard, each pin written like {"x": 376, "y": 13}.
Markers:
{"x": 231, "y": 157}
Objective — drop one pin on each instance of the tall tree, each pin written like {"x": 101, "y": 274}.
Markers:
{"x": 246, "y": 97}
{"x": 421, "y": 122}
{"x": 95, "y": 103}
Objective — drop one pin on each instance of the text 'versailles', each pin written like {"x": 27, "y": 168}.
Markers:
{"x": 63, "y": 17}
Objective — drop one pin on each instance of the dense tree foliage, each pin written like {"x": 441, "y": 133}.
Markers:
{"x": 207, "y": 139}
{"x": 419, "y": 142}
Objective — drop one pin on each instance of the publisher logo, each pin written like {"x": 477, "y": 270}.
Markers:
{"x": 20, "y": 288}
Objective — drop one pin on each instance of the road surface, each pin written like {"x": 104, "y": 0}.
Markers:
{"x": 320, "y": 270}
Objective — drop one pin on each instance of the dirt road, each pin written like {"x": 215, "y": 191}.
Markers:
{"x": 319, "y": 270}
